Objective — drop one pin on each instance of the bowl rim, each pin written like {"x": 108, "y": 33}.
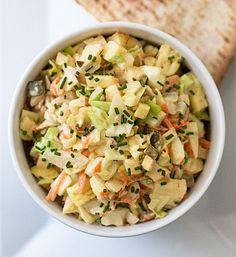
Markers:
{"x": 183, "y": 207}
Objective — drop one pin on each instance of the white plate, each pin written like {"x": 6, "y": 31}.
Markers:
{"x": 209, "y": 229}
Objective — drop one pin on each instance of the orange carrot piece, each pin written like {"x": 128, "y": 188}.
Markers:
{"x": 52, "y": 194}
{"x": 86, "y": 152}
{"x": 204, "y": 143}
{"x": 174, "y": 79}
{"x": 82, "y": 181}
{"x": 54, "y": 87}
{"x": 98, "y": 167}
{"x": 164, "y": 108}
{"x": 167, "y": 122}
{"x": 188, "y": 149}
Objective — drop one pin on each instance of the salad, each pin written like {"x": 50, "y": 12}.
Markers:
{"x": 115, "y": 129}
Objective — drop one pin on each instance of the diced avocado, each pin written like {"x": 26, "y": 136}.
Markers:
{"x": 142, "y": 111}
{"x": 154, "y": 108}
{"x": 105, "y": 106}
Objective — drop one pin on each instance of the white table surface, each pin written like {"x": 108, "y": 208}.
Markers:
{"x": 208, "y": 229}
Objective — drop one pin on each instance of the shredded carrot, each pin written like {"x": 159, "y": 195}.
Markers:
{"x": 98, "y": 167}
{"x": 204, "y": 143}
{"x": 174, "y": 79}
{"x": 52, "y": 194}
{"x": 182, "y": 124}
{"x": 54, "y": 87}
{"x": 188, "y": 149}
{"x": 167, "y": 122}
{"x": 105, "y": 194}
{"x": 82, "y": 181}
{"x": 86, "y": 152}
{"x": 129, "y": 199}
{"x": 164, "y": 108}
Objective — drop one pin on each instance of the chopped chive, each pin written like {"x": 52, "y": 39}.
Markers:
{"x": 55, "y": 106}
{"x": 112, "y": 146}
{"x": 121, "y": 144}
{"x": 101, "y": 205}
{"x": 72, "y": 155}
{"x": 65, "y": 65}
{"x": 132, "y": 189}
{"x": 107, "y": 207}
{"x": 126, "y": 113}
{"x": 90, "y": 57}
{"x": 129, "y": 172}
{"x": 94, "y": 59}
{"x": 121, "y": 151}
{"x": 77, "y": 73}
{"x": 181, "y": 131}
{"x": 167, "y": 82}
{"x": 168, "y": 89}
{"x": 172, "y": 175}
{"x": 70, "y": 82}
{"x": 57, "y": 153}
{"x": 138, "y": 168}
{"x": 180, "y": 115}
{"x": 49, "y": 165}
{"x": 88, "y": 69}
{"x": 49, "y": 144}
{"x": 87, "y": 74}
{"x": 69, "y": 165}
{"x": 104, "y": 190}
{"x": 91, "y": 129}
{"x": 61, "y": 113}
{"x": 163, "y": 183}
{"x": 122, "y": 87}
{"x": 130, "y": 122}
{"x": 136, "y": 191}
{"x": 143, "y": 171}
{"x": 63, "y": 82}
{"x": 144, "y": 142}
{"x": 91, "y": 77}
{"x": 78, "y": 136}
{"x": 65, "y": 96}
{"x": 169, "y": 136}
{"x": 141, "y": 135}
{"x": 96, "y": 79}
{"x": 43, "y": 159}
{"x": 190, "y": 133}
{"x": 71, "y": 131}
{"x": 97, "y": 220}
{"x": 192, "y": 92}
{"x": 76, "y": 87}
{"x": 163, "y": 173}
{"x": 134, "y": 79}
{"x": 109, "y": 66}
{"x": 117, "y": 110}
{"x": 158, "y": 82}
{"x": 115, "y": 124}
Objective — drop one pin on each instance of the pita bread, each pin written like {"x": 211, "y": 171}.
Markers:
{"x": 208, "y": 27}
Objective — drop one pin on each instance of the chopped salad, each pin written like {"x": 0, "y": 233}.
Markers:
{"x": 115, "y": 129}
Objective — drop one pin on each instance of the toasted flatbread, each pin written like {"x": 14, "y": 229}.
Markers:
{"x": 207, "y": 27}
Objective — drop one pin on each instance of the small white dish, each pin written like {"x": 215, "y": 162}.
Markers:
{"x": 216, "y": 115}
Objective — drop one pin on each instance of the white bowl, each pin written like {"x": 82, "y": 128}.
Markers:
{"x": 216, "y": 116}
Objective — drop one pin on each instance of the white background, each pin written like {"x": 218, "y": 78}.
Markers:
{"x": 208, "y": 229}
